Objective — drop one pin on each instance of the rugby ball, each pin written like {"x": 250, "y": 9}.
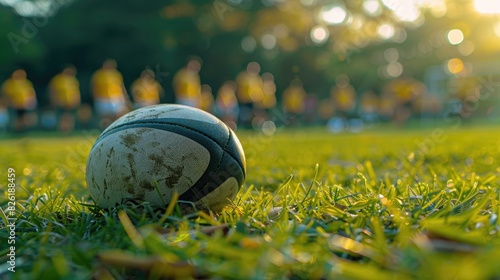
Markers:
{"x": 153, "y": 152}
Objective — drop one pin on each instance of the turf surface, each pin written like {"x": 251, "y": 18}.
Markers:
{"x": 375, "y": 205}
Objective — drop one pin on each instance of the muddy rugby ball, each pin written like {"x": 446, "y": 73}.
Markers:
{"x": 153, "y": 152}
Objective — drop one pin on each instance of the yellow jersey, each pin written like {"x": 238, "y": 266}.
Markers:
{"x": 249, "y": 88}
{"x": 268, "y": 100}
{"x": 207, "y": 101}
{"x": 369, "y": 103}
{"x": 187, "y": 84}
{"x": 107, "y": 84}
{"x": 344, "y": 98}
{"x": 386, "y": 105}
{"x": 293, "y": 100}
{"x": 226, "y": 98}
{"x": 406, "y": 89}
{"x": 20, "y": 93}
{"x": 146, "y": 91}
{"x": 65, "y": 90}
{"x": 465, "y": 87}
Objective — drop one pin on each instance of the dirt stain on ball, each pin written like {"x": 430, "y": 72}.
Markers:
{"x": 131, "y": 162}
{"x": 189, "y": 157}
{"x": 155, "y": 144}
{"x": 146, "y": 185}
{"x": 176, "y": 175}
{"x": 130, "y": 189}
{"x": 110, "y": 155}
{"x": 95, "y": 184}
{"x": 105, "y": 188}
{"x": 129, "y": 140}
{"x": 158, "y": 162}
{"x": 159, "y": 166}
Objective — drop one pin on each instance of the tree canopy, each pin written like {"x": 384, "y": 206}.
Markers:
{"x": 369, "y": 40}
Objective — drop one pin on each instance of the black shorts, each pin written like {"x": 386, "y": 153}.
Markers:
{"x": 20, "y": 112}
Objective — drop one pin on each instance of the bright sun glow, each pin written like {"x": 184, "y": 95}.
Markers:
{"x": 455, "y": 36}
{"x": 409, "y": 10}
{"x": 487, "y": 6}
{"x": 392, "y": 4}
{"x": 319, "y": 34}
{"x": 333, "y": 15}
{"x": 372, "y": 7}
{"x": 385, "y": 31}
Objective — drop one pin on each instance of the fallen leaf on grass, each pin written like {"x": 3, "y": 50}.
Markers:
{"x": 434, "y": 241}
{"x": 340, "y": 243}
{"x": 211, "y": 230}
{"x": 250, "y": 243}
{"x": 153, "y": 265}
{"x": 207, "y": 230}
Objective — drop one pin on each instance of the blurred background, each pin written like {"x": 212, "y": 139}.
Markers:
{"x": 342, "y": 64}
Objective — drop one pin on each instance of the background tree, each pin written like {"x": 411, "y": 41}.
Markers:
{"x": 309, "y": 39}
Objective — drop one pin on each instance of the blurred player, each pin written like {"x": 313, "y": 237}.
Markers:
{"x": 146, "y": 90}
{"x": 249, "y": 92}
{"x": 20, "y": 97}
{"x": 325, "y": 110}
{"x": 404, "y": 91}
{"x": 294, "y": 101}
{"x": 207, "y": 99}
{"x": 65, "y": 96}
{"x": 467, "y": 91}
{"x": 267, "y": 103}
{"x": 343, "y": 97}
{"x": 226, "y": 104}
{"x": 187, "y": 86}
{"x": 369, "y": 106}
{"x": 268, "y": 100}
{"x": 110, "y": 96}
{"x": 310, "y": 109}
{"x": 386, "y": 107}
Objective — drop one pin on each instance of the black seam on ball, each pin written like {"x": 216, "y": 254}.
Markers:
{"x": 184, "y": 196}
{"x": 150, "y": 122}
{"x": 122, "y": 126}
{"x": 194, "y": 192}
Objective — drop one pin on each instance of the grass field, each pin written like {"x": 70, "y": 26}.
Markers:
{"x": 411, "y": 204}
